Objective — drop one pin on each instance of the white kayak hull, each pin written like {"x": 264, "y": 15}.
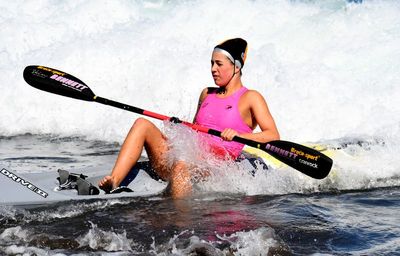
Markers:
{"x": 42, "y": 188}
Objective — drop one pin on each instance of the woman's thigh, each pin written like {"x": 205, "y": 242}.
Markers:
{"x": 156, "y": 147}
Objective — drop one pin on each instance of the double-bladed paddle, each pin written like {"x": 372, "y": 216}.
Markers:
{"x": 304, "y": 159}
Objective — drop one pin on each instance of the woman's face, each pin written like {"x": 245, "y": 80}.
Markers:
{"x": 222, "y": 69}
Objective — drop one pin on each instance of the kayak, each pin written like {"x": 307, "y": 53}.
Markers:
{"x": 25, "y": 189}
{"x": 44, "y": 188}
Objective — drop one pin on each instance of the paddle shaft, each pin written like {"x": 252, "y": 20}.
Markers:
{"x": 196, "y": 127}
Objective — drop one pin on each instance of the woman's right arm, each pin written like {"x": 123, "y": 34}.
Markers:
{"x": 203, "y": 95}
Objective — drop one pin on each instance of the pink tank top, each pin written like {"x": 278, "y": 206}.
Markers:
{"x": 220, "y": 113}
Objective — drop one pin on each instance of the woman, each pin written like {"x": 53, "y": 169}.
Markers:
{"x": 231, "y": 108}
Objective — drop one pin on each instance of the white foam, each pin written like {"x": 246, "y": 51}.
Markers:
{"x": 105, "y": 240}
{"x": 328, "y": 70}
{"x": 15, "y": 233}
{"x": 253, "y": 242}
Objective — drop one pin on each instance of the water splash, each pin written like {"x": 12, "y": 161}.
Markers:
{"x": 98, "y": 239}
{"x": 326, "y": 69}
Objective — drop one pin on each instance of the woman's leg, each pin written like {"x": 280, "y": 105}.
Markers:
{"x": 145, "y": 134}
{"x": 142, "y": 134}
{"x": 180, "y": 181}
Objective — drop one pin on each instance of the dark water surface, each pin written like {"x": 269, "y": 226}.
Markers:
{"x": 359, "y": 222}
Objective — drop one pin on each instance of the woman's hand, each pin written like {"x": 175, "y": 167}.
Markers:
{"x": 228, "y": 134}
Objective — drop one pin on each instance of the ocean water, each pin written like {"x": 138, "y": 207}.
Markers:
{"x": 328, "y": 70}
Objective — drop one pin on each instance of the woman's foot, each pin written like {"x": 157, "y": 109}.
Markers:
{"x": 107, "y": 184}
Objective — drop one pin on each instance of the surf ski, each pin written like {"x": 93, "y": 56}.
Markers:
{"x": 64, "y": 185}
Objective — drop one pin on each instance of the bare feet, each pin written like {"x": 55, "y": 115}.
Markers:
{"x": 107, "y": 184}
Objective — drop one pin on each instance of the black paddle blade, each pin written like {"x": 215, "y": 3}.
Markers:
{"x": 58, "y": 82}
{"x": 304, "y": 159}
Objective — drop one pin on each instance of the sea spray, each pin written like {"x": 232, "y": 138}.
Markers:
{"x": 326, "y": 70}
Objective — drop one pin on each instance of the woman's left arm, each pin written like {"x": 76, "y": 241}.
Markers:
{"x": 262, "y": 117}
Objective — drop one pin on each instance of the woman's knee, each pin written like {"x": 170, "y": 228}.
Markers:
{"x": 143, "y": 126}
{"x": 141, "y": 122}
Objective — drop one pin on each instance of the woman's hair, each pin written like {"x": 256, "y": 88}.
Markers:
{"x": 235, "y": 50}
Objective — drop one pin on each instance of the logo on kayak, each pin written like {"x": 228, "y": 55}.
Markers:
{"x": 24, "y": 183}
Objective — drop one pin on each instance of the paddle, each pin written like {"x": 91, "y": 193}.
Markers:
{"x": 304, "y": 159}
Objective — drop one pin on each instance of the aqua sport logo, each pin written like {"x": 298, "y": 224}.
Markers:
{"x": 24, "y": 183}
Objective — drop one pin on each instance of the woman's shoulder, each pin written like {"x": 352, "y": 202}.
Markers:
{"x": 254, "y": 99}
{"x": 211, "y": 90}
{"x": 206, "y": 91}
{"x": 253, "y": 94}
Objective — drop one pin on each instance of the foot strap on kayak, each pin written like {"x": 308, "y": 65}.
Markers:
{"x": 76, "y": 181}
